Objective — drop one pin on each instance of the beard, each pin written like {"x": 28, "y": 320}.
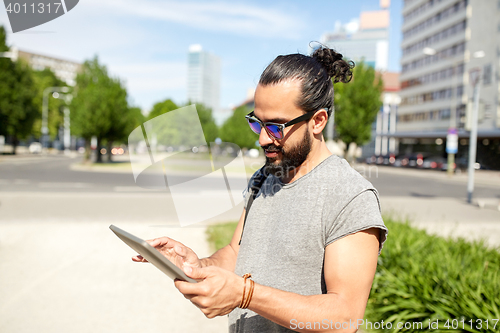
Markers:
{"x": 291, "y": 158}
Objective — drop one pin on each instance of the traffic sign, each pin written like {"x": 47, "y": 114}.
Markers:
{"x": 452, "y": 141}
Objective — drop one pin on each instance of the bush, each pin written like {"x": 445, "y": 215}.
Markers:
{"x": 424, "y": 278}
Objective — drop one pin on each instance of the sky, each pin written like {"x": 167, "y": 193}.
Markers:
{"x": 145, "y": 42}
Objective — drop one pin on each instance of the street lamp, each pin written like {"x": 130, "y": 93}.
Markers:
{"x": 67, "y": 134}
{"x": 45, "y": 110}
{"x": 475, "y": 75}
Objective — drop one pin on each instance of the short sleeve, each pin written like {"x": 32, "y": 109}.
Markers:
{"x": 361, "y": 213}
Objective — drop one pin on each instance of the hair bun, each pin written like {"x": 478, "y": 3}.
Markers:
{"x": 337, "y": 68}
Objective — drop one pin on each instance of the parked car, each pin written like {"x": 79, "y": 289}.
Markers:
{"x": 413, "y": 161}
{"x": 35, "y": 148}
{"x": 434, "y": 163}
{"x": 371, "y": 160}
{"x": 388, "y": 159}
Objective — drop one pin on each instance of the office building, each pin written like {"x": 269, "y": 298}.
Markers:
{"x": 382, "y": 142}
{"x": 364, "y": 39}
{"x": 367, "y": 39}
{"x": 443, "y": 42}
{"x": 64, "y": 70}
{"x": 203, "y": 78}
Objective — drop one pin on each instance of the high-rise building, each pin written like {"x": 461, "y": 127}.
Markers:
{"x": 366, "y": 38}
{"x": 443, "y": 42}
{"x": 203, "y": 77}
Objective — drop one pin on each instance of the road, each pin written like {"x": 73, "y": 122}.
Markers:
{"x": 54, "y": 175}
{"x": 50, "y": 189}
{"x": 59, "y": 189}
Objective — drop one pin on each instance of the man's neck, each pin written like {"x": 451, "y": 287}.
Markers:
{"x": 315, "y": 157}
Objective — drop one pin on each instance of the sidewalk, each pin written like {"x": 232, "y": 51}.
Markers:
{"x": 446, "y": 217}
{"x": 79, "y": 278}
{"x": 481, "y": 177}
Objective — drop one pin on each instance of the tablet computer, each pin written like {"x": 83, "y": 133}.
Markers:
{"x": 151, "y": 254}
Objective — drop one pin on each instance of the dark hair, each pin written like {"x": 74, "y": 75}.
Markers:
{"x": 316, "y": 73}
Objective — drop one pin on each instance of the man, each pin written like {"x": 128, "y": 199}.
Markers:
{"x": 314, "y": 231}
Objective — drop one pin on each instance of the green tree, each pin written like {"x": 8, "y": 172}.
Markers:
{"x": 357, "y": 104}
{"x": 42, "y": 80}
{"x": 134, "y": 118}
{"x": 17, "y": 109}
{"x": 236, "y": 130}
{"x": 161, "y": 108}
{"x": 207, "y": 121}
{"x": 210, "y": 129}
{"x": 99, "y": 107}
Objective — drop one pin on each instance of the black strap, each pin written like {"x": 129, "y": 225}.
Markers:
{"x": 256, "y": 185}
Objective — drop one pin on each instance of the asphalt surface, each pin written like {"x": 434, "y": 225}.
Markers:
{"x": 54, "y": 174}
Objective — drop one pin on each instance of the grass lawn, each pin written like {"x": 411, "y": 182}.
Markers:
{"x": 219, "y": 235}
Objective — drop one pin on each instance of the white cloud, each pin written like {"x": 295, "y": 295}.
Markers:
{"x": 232, "y": 17}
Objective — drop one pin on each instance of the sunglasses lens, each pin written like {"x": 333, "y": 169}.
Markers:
{"x": 274, "y": 131}
{"x": 254, "y": 125}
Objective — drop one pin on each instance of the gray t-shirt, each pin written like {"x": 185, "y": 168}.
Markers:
{"x": 289, "y": 226}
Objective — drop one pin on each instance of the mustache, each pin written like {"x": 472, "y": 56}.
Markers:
{"x": 272, "y": 148}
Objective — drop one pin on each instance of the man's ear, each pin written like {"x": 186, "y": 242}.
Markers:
{"x": 319, "y": 121}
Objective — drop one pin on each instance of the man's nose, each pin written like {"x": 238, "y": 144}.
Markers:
{"x": 264, "y": 138}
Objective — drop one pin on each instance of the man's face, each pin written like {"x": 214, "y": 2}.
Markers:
{"x": 291, "y": 157}
{"x": 276, "y": 103}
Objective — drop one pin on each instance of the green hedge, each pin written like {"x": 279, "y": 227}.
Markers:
{"x": 423, "y": 279}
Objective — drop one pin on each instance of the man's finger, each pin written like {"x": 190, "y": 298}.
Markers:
{"x": 162, "y": 241}
{"x": 196, "y": 272}
{"x": 183, "y": 252}
{"x": 139, "y": 258}
{"x": 189, "y": 290}
{"x": 193, "y": 288}
{"x": 180, "y": 251}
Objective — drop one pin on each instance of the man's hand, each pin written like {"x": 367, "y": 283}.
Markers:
{"x": 181, "y": 255}
{"x": 217, "y": 293}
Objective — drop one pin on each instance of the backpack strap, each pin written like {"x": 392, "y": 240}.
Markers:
{"x": 254, "y": 190}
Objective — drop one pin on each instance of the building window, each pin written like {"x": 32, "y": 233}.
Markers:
{"x": 487, "y": 74}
